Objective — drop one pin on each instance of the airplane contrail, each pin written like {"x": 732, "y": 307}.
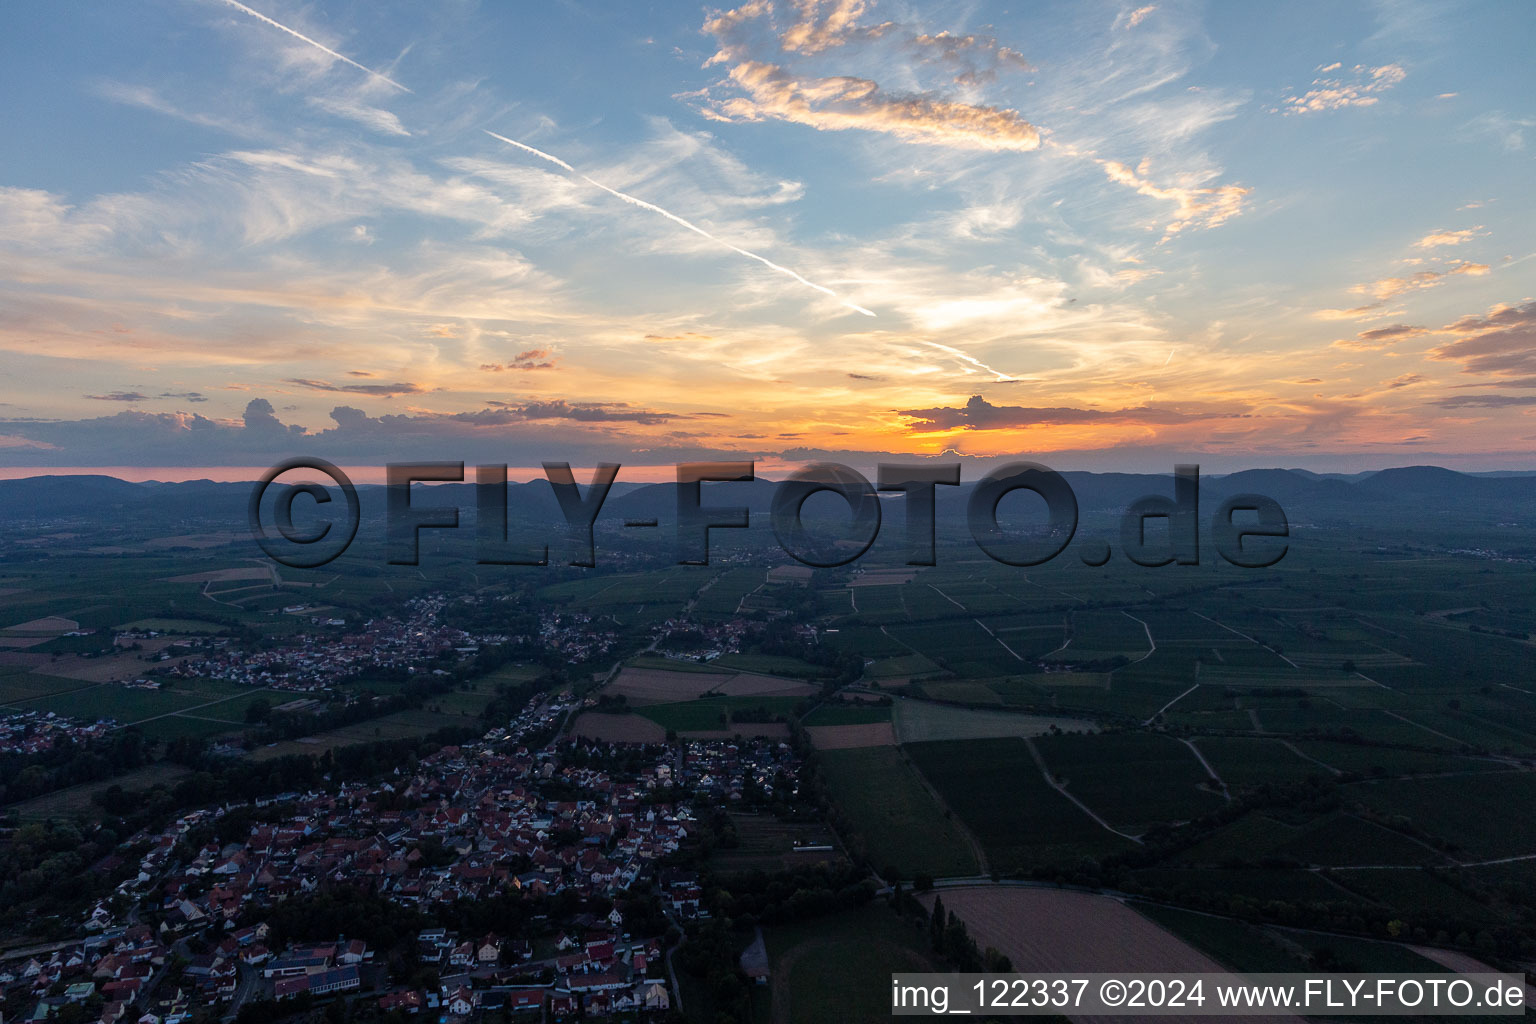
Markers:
{"x": 1002, "y": 378}
{"x": 319, "y": 46}
{"x": 626, "y": 197}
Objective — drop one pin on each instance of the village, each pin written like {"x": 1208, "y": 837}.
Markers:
{"x": 35, "y": 732}
{"x": 327, "y": 654}
{"x": 565, "y": 831}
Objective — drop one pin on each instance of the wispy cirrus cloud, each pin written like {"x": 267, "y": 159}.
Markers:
{"x": 1203, "y": 207}
{"x": 301, "y": 37}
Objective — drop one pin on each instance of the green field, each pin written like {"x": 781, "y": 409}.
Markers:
{"x": 838, "y": 969}
{"x": 920, "y": 722}
{"x": 710, "y": 713}
{"x": 996, "y": 788}
{"x": 400, "y": 725}
{"x": 1135, "y": 780}
{"x": 1480, "y": 815}
{"x": 76, "y": 801}
{"x": 1241, "y": 761}
{"x": 894, "y": 818}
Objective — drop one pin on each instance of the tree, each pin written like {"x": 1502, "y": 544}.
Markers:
{"x": 936, "y": 925}
{"x": 258, "y": 710}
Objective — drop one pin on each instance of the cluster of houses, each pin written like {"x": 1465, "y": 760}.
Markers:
{"x": 592, "y": 974}
{"x": 317, "y": 661}
{"x": 36, "y": 732}
{"x": 465, "y": 823}
{"x": 113, "y": 970}
{"x": 576, "y": 636}
{"x": 719, "y": 638}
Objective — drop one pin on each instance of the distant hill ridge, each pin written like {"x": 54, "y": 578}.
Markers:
{"x": 1430, "y": 486}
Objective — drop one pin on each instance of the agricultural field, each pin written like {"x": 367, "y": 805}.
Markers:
{"x": 1248, "y": 762}
{"x": 920, "y": 721}
{"x": 1253, "y": 949}
{"x": 997, "y": 790}
{"x": 715, "y": 713}
{"x": 398, "y": 726}
{"x": 1057, "y": 930}
{"x": 1475, "y": 814}
{"x": 622, "y": 728}
{"x": 1424, "y": 896}
{"x": 77, "y": 801}
{"x": 1134, "y": 780}
{"x": 838, "y": 969}
{"x": 663, "y": 685}
{"x": 847, "y": 737}
{"x": 766, "y": 844}
{"x": 849, "y": 713}
{"x": 1258, "y": 885}
{"x": 892, "y": 814}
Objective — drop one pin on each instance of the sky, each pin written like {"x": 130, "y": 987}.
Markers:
{"x": 1095, "y": 235}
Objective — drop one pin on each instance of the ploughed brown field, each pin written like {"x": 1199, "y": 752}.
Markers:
{"x": 661, "y": 686}
{"x": 1056, "y": 930}
{"x": 747, "y": 684}
{"x": 618, "y": 729}
{"x": 843, "y": 737}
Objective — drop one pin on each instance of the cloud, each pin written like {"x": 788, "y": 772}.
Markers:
{"x": 1499, "y": 343}
{"x": 376, "y": 118}
{"x": 979, "y": 414}
{"x": 1346, "y": 314}
{"x": 559, "y": 409}
{"x": 1507, "y": 131}
{"x": 1485, "y": 401}
{"x": 186, "y": 396}
{"x": 822, "y": 24}
{"x": 1139, "y": 15}
{"x": 1363, "y": 90}
{"x": 533, "y": 359}
{"x": 1439, "y": 238}
{"x": 1195, "y": 207}
{"x": 841, "y": 103}
{"x": 1391, "y": 287}
{"x": 120, "y": 396}
{"x": 376, "y": 390}
{"x": 683, "y": 222}
{"x": 768, "y": 90}
{"x": 1380, "y": 338}
{"x": 317, "y": 45}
